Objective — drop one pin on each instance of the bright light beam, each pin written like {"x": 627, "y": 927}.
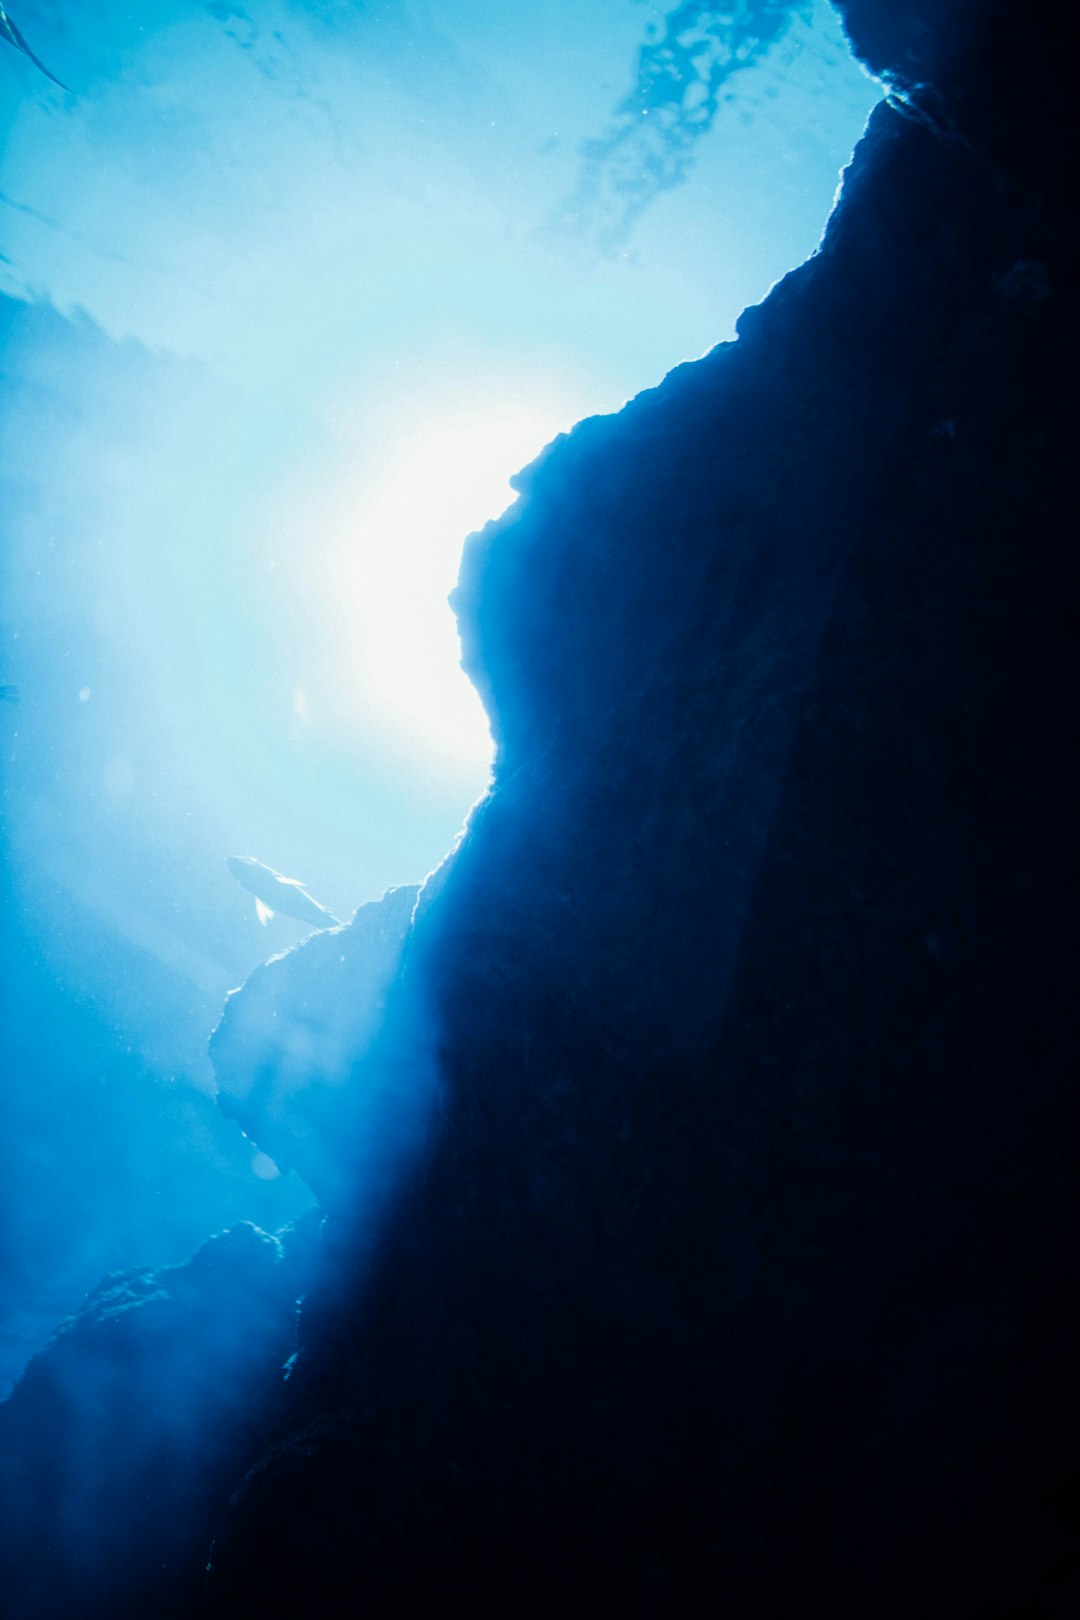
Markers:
{"x": 447, "y": 478}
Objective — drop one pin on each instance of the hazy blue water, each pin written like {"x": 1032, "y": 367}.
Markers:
{"x": 290, "y": 290}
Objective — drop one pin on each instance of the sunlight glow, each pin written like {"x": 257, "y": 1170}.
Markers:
{"x": 448, "y": 477}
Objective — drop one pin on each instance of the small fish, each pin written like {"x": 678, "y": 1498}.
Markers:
{"x": 9, "y": 694}
{"x": 12, "y": 34}
{"x": 276, "y": 893}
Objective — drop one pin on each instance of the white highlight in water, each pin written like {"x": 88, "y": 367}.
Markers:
{"x": 448, "y": 476}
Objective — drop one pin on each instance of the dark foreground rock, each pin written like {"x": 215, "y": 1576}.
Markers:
{"x": 125, "y": 1434}
{"x": 737, "y": 1274}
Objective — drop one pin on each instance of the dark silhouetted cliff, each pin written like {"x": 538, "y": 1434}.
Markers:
{"x": 736, "y": 1273}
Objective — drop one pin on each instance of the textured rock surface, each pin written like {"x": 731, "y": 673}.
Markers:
{"x": 737, "y": 1274}
{"x": 123, "y": 1437}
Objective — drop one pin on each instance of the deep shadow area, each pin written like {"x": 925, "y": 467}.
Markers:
{"x": 726, "y": 1262}
{"x": 123, "y": 1437}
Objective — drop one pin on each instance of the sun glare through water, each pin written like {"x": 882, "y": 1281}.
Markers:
{"x": 393, "y": 567}
{"x": 288, "y": 293}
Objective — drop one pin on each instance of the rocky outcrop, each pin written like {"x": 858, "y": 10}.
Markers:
{"x": 290, "y": 1051}
{"x": 125, "y": 1434}
{"x": 983, "y": 74}
{"x": 735, "y": 1273}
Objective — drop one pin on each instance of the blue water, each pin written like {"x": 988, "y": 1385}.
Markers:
{"x": 288, "y": 292}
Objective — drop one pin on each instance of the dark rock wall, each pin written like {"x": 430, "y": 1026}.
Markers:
{"x": 990, "y": 74}
{"x": 737, "y": 1272}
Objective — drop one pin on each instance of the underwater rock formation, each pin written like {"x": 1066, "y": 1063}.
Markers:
{"x": 735, "y": 1274}
{"x": 125, "y": 1434}
{"x": 289, "y": 1051}
{"x": 733, "y": 1270}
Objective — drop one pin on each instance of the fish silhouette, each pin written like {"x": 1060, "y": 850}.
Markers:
{"x": 13, "y": 35}
{"x": 276, "y": 893}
